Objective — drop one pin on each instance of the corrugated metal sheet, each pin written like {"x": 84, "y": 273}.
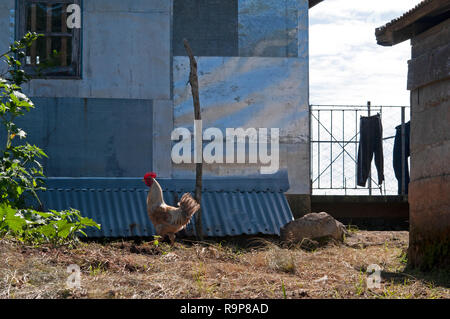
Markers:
{"x": 229, "y": 206}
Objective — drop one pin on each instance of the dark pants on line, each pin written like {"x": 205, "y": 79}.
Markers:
{"x": 397, "y": 156}
{"x": 370, "y": 143}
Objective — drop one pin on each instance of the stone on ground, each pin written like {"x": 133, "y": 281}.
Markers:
{"x": 313, "y": 226}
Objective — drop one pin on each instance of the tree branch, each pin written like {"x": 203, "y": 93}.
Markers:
{"x": 193, "y": 81}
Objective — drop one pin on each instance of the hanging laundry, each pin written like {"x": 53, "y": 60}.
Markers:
{"x": 397, "y": 156}
{"x": 370, "y": 143}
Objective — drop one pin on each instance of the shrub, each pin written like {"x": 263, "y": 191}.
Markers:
{"x": 21, "y": 173}
{"x": 34, "y": 227}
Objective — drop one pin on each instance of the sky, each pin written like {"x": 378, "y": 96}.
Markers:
{"x": 347, "y": 66}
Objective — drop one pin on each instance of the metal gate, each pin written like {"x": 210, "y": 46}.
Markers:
{"x": 334, "y": 148}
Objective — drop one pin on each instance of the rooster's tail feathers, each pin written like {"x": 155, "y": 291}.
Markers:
{"x": 189, "y": 205}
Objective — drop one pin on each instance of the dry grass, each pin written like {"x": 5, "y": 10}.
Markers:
{"x": 244, "y": 268}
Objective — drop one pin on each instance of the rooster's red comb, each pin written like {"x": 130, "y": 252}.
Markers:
{"x": 150, "y": 174}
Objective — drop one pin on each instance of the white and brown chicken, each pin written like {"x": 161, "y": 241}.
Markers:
{"x": 167, "y": 219}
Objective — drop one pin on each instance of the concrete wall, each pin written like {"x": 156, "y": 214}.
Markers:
{"x": 125, "y": 53}
{"x": 429, "y": 82}
{"x": 104, "y": 124}
{"x": 7, "y": 12}
{"x": 266, "y": 86}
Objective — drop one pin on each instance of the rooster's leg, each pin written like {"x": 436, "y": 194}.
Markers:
{"x": 172, "y": 238}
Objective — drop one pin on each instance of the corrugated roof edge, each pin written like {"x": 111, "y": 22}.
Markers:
{"x": 276, "y": 183}
{"x": 403, "y": 16}
{"x": 413, "y": 22}
{"x": 231, "y": 206}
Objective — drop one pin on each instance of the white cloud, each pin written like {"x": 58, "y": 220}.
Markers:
{"x": 346, "y": 64}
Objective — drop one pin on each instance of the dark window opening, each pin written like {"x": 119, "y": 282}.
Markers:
{"x": 57, "y": 52}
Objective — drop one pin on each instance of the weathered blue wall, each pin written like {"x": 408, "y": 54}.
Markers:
{"x": 266, "y": 85}
{"x": 92, "y": 137}
{"x": 238, "y": 28}
{"x": 269, "y": 27}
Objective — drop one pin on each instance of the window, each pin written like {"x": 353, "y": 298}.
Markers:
{"x": 57, "y": 52}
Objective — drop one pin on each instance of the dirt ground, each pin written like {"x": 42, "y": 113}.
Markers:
{"x": 225, "y": 268}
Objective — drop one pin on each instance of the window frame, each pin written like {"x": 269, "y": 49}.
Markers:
{"x": 21, "y": 18}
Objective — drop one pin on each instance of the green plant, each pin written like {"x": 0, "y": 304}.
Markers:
{"x": 281, "y": 260}
{"x": 360, "y": 285}
{"x": 283, "y": 289}
{"x": 162, "y": 247}
{"x": 351, "y": 229}
{"x": 53, "y": 60}
{"x": 389, "y": 291}
{"x": 96, "y": 270}
{"x": 156, "y": 239}
{"x": 33, "y": 227}
{"x": 21, "y": 173}
{"x": 403, "y": 257}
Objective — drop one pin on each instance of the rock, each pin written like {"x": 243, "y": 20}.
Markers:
{"x": 313, "y": 226}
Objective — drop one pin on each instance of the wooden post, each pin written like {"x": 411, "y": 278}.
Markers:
{"x": 33, "y": 50}
{"x": 49, "y": 30}
{"x": 64, "y": 39}
{"x": 193, "y": 80}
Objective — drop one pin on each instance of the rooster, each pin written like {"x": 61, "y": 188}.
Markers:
{"x": 166, "y": 219}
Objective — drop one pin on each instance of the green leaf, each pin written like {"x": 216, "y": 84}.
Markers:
{"x": 64, "y": 228}
{"x": 48, "y": 231}
{"x": 85, "y": 221}
{"x": 14, "y": 221}
{"x": 82, "y": 232}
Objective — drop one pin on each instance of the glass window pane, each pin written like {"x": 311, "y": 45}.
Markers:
{"x": 57, "y": 10}
{"x": 51, "y": 54}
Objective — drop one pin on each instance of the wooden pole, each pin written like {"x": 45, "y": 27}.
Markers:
{"x": 64, "y": 39}
{"x": 193, "y": 80}
{"x": 33, "y": 50}
{"x": 49, "y": 30}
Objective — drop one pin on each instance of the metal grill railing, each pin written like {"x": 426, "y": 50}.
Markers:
{"x": 334, "y": 148}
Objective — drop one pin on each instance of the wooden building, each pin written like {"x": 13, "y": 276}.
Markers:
{"x": 428, "y": 27}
